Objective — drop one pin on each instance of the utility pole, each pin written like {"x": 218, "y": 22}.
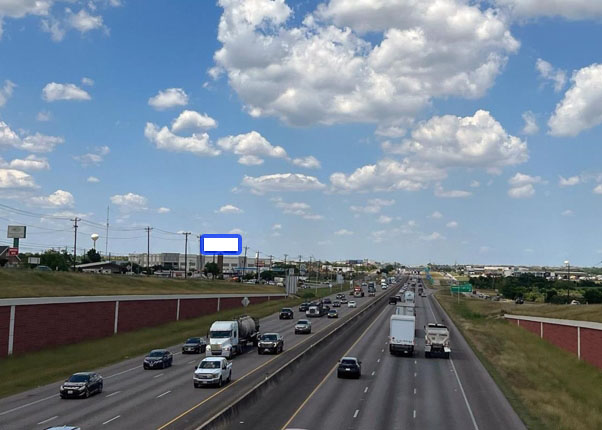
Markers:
{"x": 300, "y": 256}
{"x": 148, "y": 230}
{"x": 186, "y": 233}
{"x": 285, "y": 255}
{"x": 271, "y": 257}
{"x": 244, "y": 269}
{"x": 257, "y": 265}
{"x": 75, "y": 221}
{"x": 107, "y": 235}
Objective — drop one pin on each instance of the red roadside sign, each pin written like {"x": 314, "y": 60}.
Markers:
{"x": 13, "y": 252}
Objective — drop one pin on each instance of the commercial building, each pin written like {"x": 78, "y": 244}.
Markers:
{"x": 229, "y": 264}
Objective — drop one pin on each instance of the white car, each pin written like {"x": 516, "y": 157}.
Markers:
{"x": 212, "y": 371}
{"x": 352, "y": 304}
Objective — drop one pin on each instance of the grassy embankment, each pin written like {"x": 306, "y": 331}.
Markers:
{"x": 29, "y": 283}
{"x": 548, "y": 387}
{"x": 28, "y": 371}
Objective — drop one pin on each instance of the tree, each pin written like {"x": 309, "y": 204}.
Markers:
{"x": 267, "y": 275}
{"x": 56, "y": 260}
{"x": 593, "y": 295}
{"x": 92, "y": 256}
{"x": 212, "y": 268}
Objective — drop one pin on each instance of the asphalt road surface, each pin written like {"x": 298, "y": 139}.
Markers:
{"x": 394, "y": 392}
{"x": 134, "y": 398}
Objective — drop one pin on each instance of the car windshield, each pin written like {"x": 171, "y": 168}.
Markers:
{"x": 303, "y": 322}
{"x": 194, "y": 340}
{"x": 286, "y": 310}
{"x": 348, "y": 362}
{"x": 210, "y": 364}
{"x": 220, "y": 334}
{"x": 156, "y": 354}
{"x": 269, "y": 337}
{"x": 79, "y": 378}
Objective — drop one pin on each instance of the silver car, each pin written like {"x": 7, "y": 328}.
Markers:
{"x": 303, "y": 327}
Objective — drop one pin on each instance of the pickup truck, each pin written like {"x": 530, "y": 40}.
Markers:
{"x": 212, "y": 371}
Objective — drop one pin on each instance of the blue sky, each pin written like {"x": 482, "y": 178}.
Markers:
{"x": 412, "y": 114}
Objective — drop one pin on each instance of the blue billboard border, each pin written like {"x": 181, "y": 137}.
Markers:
{"x": 221, "y": 236}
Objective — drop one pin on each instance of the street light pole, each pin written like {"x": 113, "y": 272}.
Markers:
{"x": 568, "y": 278}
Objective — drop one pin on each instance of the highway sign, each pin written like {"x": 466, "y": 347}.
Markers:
{"x": 466, "y": 288}
{"x": 245, "y": 302}
{"x": 16, "y": 232}
{"x": 13, "y": 252}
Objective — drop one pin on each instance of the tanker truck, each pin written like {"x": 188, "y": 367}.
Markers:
{"x": 228, "y": 338}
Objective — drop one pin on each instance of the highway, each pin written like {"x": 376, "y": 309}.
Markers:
{"x": 394, "y": 392}
{"x": 134, "y": 398}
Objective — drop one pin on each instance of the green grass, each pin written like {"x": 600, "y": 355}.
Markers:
{"x": 23, "y": 372}
{"x": 29, "y": 283}
{"x": 548, "y": 387}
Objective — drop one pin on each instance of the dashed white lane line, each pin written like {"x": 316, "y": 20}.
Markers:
{"x": 192, "y": 361}
{"x": 378, "y": 361}
{"x": 357, "y": 411}
{"x": 121, "y": 373}
{"x": 414, "y": 391}
{"x": 48, "y": 420}
{"x": 414, "y": 413}
{"x": 164, "y": 394}
{"x": 366, "y": 390}
{"x": 415, "y": 374}
{"x": 373, "y": 372}
{"x": 159, "y": 375}
{"x": 111, "y": 420}
{"x": 113, "y": 394}
{"x": 382, "y": 350}
{"x": 28, "y": 404}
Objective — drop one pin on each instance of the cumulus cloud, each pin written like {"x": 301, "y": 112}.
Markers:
{"x": 309, "y": 162}
{"x": 237, "y": 231}
{"x": 475, "y": 184}
{"x": 428, "y": 49}
{"x": 83, "y": 21}
{"x": 296, "y": 208}
{"x": 384, "y": 219}
{"x": 15, "y": 179}
{"x": 93, "y": 179}
{"x": 282, "y": 182}
{"x": 530, "y": 126}
{"x": 58, "y": 199}
{"x": 169, "y": 98}
{"x": 451, "y": 194}
{"x": 550, "y": 73}
{"x": 88, "y": 81}
{"x": 522, "y": 185}
{"x": 436, "y": 215}
{"x": 95, "y": 157}
{"x": 163, "y": 210}
{"x": 163, "y": 138}
{"x": 433, "y": 236}
{"x": 31, "y": 162}
{"x": 32, "y": 143}
{"x": 598, "y": 189}
{"x": 569, "y": 9}
{"x": 569, "y": 182}
{"x": 43, "y": 116}
{"x": 522, "y": 191}
{"x": 250, "y": 148}
{"x": 130, "y": 202}
{"x": 522, "y": 179}
{"x": 191, "y": 120}
{"x": 53, "y": 92}
{"x": 6, "y": 92}
{"x": 581, "y": 107}
{"x": 452, "y": 224}
{"x": 567, "y": 212}
{"x": 229, "y": 209}
{"x": 343, "y": 232}
{"x": 373, "y": 206}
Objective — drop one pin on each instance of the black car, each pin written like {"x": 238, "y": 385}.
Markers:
{"x": 336, "y": 304}
{"x": 393, "y": 300}
{"x": 340, "y": 296}
{"x": 82, "y": 384}
{"x": 286, "y": 314}
{"x": 270, "y": 342}
{"x": 327, "y": 301}
{"x": 303, "y": 307}
{"x": 349, "y": 366}
{"x": 158, "y": 358}
{"x": 194, "y": 345}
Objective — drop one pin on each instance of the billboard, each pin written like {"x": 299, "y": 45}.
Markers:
{"x": 16, "y": 232}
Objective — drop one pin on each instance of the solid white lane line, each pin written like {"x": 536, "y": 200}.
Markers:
{"x": 112, "y": 419}
{"x": 159, "y": 375}
{"x": 366, "y": 390}
{"x": 474, "y": 422}
{"x": 357, "y": 411}
{"x": 48, "y": 420}
{"x": 164, "y": 394}
{"x": 121, "y": 373}
{"x": 113, "y": 394}
{"x": 28, "y": 404}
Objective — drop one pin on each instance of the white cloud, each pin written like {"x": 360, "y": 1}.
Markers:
{"x": 15, "y": 179}
{"x": 6, "y": 92}
{"x": 95, "y": 157}
{"x": 475, "y": 184}
{"x": 130, "y": 202}
{"x": 384, "y": 219}
{"x": 276, "y": 227}
{"x": 550, "y": 73}
{"x": 429, "y": 49}
{"x": 309, "y": 162}
{"x": 31, "y": 162}
{"x": 373, "y": 206}
{"x": 39, "y": 142}
{"x": 88, "y": 81}
{"x": 43, "y": 116}
{"x": 163, "y": 138}
{"x": 567, "y": 212}
{"x": 570, "y": 9}
{"x": 581, "y": 107}
{"x": 93, "y": 179}
{"x": 250, "y": 147}
{"x": 229, "y": 209}
{"x": 53, "y": 92}
{"x": 343, "y": 232}
{"x": 522, "y": 191}
{"x": 83, "y": 21}
{"x": 58, "y": 199}
{"x": 436, "y": 215}
{"x": 163, "y": 210}
{"x": 530, "y": 126}
{"x": 191, "y": 120}
{"x": 20, "y": 8}
{"x": 522, "y": 179}
{"x": 598, "y": 189}
{"x": 568, "y": 182}
{"x": 296, "y": 208}
{"x": 237, "y": 231}
{"x": 451, "y": 194}
{"x": 171, "y": 97}
{"x": 54, "y": 27}
{"x": 433, "y": 236}
{"x": 452, "y": 224}
{"x": 282, "y": 182}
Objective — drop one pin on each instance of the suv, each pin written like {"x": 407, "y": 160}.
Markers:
{"x": 327, "y": 301}
{"x": 270, "y": 342}
{"x": 303, "y": 307}
{"x": 303, "y": 326}
{"x": 194, "y": 345}
{"x": 160, "y": 358}
{"x": 286, "y": 314}
{"x": 349, "y": 366}
{"x": 81, "y": 384}
{"x": 212, "y": 371}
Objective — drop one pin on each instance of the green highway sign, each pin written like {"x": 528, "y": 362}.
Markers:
{"x": 466, "y": 288}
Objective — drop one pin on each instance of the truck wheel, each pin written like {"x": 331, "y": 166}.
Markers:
{"x": 219, "y": 383}
{"x": 259, "y": 351}
{"x": 229, "y": 376}
{"x": 447, "y": 355}
{"x": 427, "y": 355}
